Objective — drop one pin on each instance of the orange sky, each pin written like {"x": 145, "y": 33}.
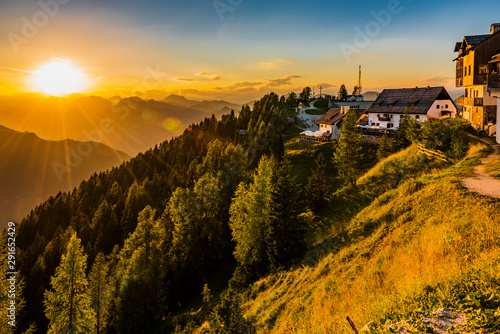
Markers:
{"x": 156, "y": 51}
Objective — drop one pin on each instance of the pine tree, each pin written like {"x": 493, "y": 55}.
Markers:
{"x": 67, "y": 306}
{"x": 99, "y": 291}
{"x": 347, "y": 156}
{"x": 317, "y": 186}
{"x": 284, "y": 233}
{"x": 383, "y": 147}
{"x": 342, "y": 95}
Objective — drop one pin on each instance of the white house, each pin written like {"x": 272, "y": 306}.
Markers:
{"x": 421, "y": 103}
{"x": 331, "y": 122}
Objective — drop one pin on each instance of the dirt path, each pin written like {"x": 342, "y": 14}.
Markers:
{"x": 309, "y": 120}
{"x": 483, "y": 183}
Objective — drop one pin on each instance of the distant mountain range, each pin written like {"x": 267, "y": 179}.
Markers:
{"x": 32, "y": 169}
{"x": 131, "y": 125}
{"x": 206, "y": 106}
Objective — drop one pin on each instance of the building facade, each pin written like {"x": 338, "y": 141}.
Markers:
{"x": 420, "y": 103}
{"x": 475, "y": 52}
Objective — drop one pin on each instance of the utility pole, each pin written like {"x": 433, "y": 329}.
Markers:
{"x": 320, "y": 90}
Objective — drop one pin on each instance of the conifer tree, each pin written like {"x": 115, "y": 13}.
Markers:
{"x": 67, "y": 306}
{"x": 317, "y": 187}
{"x": 383, "y": 147}
{"x": 347, "y": 156}
{"x": 141, "y": 300}
{"x": 284, "y": 233}
{"x": 99, "y": 291}
{"x": 249, "y": 211}
{"x": 342, "y": 95}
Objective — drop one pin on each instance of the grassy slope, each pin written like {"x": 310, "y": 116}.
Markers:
{"x": 412, "y": 250}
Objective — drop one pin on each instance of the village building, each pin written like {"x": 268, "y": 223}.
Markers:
{"x": 331, "y": 122}
{"x": 420, "y": 103}
{"x": 473, "y": 66}
{"x": 493, "y": 85}
{"x": 329, "y": 125}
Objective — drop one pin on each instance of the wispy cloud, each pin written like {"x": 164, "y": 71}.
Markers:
{"x": 325, "y": 85}
{"x": 282, "y": 81}
{"x": 241, "y": 85}
{"x": 208, "y": 76}
{"x": 21, "y": 70}
{"x": 184, "y": 79}
{"x": 437, "y": 81}
{"x": 275, "y": 64}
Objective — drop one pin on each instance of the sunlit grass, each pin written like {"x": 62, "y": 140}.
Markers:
{"x": 493, "y": 167}
{"x": 424, "y": 233}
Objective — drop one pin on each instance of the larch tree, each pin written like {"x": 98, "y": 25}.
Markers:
{"x": 383, "y": 147}
{"x": 67, "y": 306}
{"x": 99, "y": 291}
{"x": 317, "y": 186}
{"x": 348, "y": 154}
{"x": 141, "y": 297}
{"x": 249, "y": 212}
{"x": 284, "y": 233}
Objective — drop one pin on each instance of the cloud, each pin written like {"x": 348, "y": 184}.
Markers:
{"x": 240, "y": 85}
{"x": 325, "y": 85}
{"x": 282, "y": 81}
{"x": 273, "y": 65}
{"x": 268, "y": 65}
{"x": 183, "y": 79}
{"x": 437, "y": 81}
{"x": 208, "y": 76}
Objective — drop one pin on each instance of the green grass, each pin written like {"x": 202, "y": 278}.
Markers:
{"x": 321, "y": 103}
{"x": 303, "y": 157}
{"x": 316, "y": 112}
{"x": 409, "y": 240}
{"x": 493, "y": 167}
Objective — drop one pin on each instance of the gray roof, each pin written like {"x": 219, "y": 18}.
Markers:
{"x": 334, "y": 115}
{"x": 416, "y": 100}
{"x": 476, "y": 39}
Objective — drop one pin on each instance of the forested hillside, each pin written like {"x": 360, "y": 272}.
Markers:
{"x": 161, "y": 220}
{"x": 221, "y": 230}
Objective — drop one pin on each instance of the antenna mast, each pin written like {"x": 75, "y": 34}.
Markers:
{"x": 359, "y": 81}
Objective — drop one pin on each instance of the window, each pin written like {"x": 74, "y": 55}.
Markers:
{"x": 470, "y": 72}
{"x": 446, "y": 106}
{"x": 417, "y": 117}
{"x": 437, "y": 106}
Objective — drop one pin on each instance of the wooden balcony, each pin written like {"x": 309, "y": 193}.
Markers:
{"x": 470, "y": 101}
{"x": 494, "y": 83}
{"x": 384, "y": 118}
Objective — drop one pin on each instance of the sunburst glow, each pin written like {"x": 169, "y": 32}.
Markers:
{"x": 59, "y": 77}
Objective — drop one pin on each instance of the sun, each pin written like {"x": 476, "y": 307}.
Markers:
{"x": 59, "y": 77}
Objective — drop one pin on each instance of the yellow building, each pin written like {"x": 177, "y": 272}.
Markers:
{"x": 475, "y": 53}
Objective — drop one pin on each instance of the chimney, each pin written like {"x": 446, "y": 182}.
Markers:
{"x": 495, "y": 27}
